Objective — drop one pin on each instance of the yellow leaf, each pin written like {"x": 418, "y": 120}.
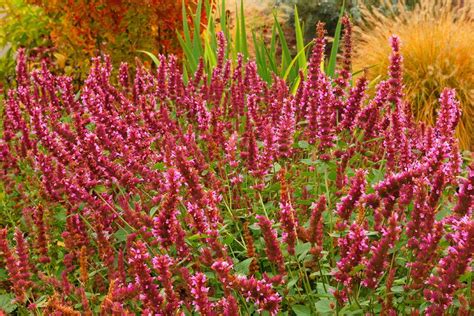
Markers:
{"x": 60, "y": 60}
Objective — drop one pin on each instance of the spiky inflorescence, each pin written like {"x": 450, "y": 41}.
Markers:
{"x": 288, "y": 220}
{"x": 379, "y": 257}
{"x": 344, "y": 74}
{"x": 346, "y": 206}
{"x": 261, "y": 292}
{"x": 272, "y": 245}
{"x": 465, "y": 202}
{"x": 313, "y": 82}
{"x": 199, "y": 290}
{"x": 445, "y": 282}
{"x": 18, "y": 265}
{"x": 353, "y": 104}
{"x": 352, "y": 248}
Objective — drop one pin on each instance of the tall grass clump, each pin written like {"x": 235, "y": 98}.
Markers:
{"x": 273, "y": 52}
{"x": 149, "y": 194}
{"x": 437, "y": 45}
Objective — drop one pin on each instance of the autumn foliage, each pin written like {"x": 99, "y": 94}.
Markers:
{"x": 82, "y": 29}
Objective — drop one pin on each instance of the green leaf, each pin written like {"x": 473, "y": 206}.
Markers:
{"x": 243, "y": 266}
{"x": 303, "y": 144}
{"x": 3, "y": 275}
{"x": 153, "y": 210}
{"x": 159, "y": 166}
{"x": 223, "y": 19}
{"x": 292, "y": 282}
{"x": 308, "y": 161}
{"x": 60, "y": 216}
{"x": 187, "y": 37}
{"x": 276, "y": 167}
{"x": 271, "y": 60}
{"x": 301, "y": 310}
{"x": 296, "y": 84}
{"x": 211, "y": 29}
{"x": 100, "y": 188}
{"x": 191, "y": 61}
{"x": 466, "y": 276}
{"x": 209, "y": 53}
{"x": 335, "y": 45}
{"x": 273, "y": 43}
{"x": 260, "y": 58}
{"x": 229, "y": 240}
{"x": 323, "y": 306}
{"x": 121, "y": 234}
{"x": 237, "y": 34}
{"x": 398, "y": 289}
{"x": 324, "y": 288}
{"x": 197, "y": 237}
{"x": 6, "y": 303}
{"x": 358, "y": 268}
{"x": 302, "y": 248}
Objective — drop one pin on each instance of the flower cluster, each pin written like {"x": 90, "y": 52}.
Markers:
{"x": 159, "y": 192}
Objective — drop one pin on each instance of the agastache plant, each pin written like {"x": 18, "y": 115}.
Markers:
{"x": 220, "y": 193}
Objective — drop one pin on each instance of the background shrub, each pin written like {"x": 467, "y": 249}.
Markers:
{"x": 80, "y": 30}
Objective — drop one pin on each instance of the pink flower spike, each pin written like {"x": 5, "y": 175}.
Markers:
{"x": 273, "y": 246}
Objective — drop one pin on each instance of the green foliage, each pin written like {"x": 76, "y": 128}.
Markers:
{"x": 273, "y": 57}
{"x": 7, "y": 303}
{"x": 22, "y": 25}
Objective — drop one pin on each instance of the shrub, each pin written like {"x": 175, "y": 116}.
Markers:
{"x": 83, "y": 29}
{"x": 437, "y": 47}
{"x": 231, "y": 195}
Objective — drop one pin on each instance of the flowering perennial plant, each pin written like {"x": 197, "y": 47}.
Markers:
{"x": 229, "y": 195}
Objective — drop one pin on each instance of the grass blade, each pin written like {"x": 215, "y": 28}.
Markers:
{"x": 152, "y": 56}
{"x": 285, "y": 51}
{"x": 237, "y": 34}
{"x": 299, "y": 41}
{"x": 191, "y": 61}
{"x": 197, "y": 48}
{"x": 209, "y": 53}
{"x": 271, "y": 60}
{"x": 260, "y": 58}
{"x": 293, "y": 61}
{"x": 331, "y": 69}
{"x": 273, "y": 43}
{"x": 187, "y": 36}
{"x": 225, "y": 28}
{"x": 243, "y": 32}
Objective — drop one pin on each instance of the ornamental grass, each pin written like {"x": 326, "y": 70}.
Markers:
{"x": 437, "y": 37}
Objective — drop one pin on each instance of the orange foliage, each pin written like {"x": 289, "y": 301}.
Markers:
{"x": 85, "y": 28}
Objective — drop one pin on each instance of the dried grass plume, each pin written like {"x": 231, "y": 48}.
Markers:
{"x": 438, "y": 49}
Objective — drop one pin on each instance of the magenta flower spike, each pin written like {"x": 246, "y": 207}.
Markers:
{"x": 345, "y": 208}
{"x": 272, "y": 244}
